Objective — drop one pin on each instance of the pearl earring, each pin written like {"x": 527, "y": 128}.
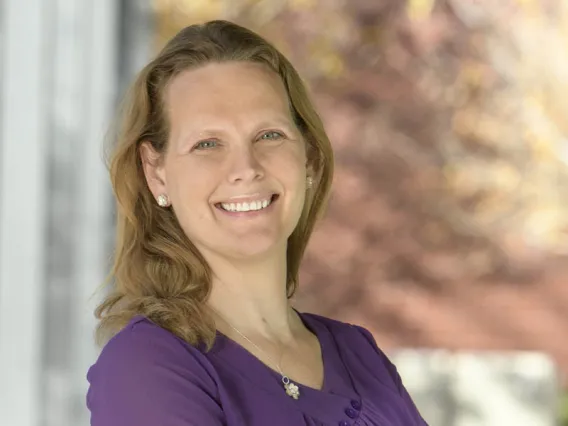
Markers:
{"x": 309, "y": 181}
{"x": 163, "y": 200}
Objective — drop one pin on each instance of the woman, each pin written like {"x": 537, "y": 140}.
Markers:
{"x": 221, "y": 169}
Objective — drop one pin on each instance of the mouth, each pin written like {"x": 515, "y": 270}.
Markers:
{"x": 250, "y": 206}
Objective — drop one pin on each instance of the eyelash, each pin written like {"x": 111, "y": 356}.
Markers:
{"x": 199, "y": 145}
{"x": 280, "y": 135}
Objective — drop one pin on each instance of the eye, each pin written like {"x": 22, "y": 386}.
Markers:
{"x": 271, "y": 135}
{"x": 208, "y": 144}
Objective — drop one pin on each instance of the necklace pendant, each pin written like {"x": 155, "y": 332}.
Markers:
{"x": 292, "y": 389}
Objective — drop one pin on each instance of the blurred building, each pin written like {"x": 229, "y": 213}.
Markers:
{"x": 63, "y": 66}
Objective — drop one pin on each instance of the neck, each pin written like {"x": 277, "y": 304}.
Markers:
{"x": 251, "y": 296}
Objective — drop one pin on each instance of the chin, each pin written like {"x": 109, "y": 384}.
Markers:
{"x": 251, "y": 252}
{"x": 254, "y": 248}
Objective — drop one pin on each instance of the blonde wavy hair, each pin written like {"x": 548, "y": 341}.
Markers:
{"x": 157, "y": 271}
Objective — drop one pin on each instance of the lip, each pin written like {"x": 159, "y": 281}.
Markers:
{"x": 251, "y": 213}
{"x": 258, "y": 196}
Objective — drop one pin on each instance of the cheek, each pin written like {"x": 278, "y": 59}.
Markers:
{"x": 188, "y": 181}
{"x": 289, "y": 164}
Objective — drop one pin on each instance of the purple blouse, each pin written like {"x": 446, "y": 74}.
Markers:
{"x": 146, "y": 376}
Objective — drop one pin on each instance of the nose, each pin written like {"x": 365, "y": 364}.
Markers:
{"x": 245, "y": 166}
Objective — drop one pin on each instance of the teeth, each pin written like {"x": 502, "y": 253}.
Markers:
{"x": 245, "y": 207}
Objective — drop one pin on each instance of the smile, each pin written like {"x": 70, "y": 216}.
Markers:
{"x": 249, "y": 206}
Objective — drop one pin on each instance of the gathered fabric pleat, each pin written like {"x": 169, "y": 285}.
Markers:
{"x": 368, "y": 416}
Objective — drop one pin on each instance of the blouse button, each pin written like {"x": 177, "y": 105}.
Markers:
{"x": 351, "y": 412}
{"x": 356, "y": 404}
{"x": 344, "y": 423}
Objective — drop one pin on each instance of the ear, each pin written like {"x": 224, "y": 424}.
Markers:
{"x": 152, "y": 164}
{"x": 310, "y": 169}
{"x": 311, "y": 158}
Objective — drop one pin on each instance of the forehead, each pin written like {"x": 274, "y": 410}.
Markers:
{"x": 218, "y": 89}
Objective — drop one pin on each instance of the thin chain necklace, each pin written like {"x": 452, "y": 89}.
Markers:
{"x": 291, "y": 388}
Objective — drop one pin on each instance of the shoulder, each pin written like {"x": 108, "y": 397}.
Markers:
{"x": 141, "y": 343}
{"x": 145, "y": 373}
{"x": 345, "y": 330}
{"x": 357, "y": 338}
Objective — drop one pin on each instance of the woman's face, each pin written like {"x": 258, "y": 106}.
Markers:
{"x": 235, "y": 167}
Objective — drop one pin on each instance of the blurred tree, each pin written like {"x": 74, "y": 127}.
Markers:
{"x": 459, "y": 94}
{"x": 448, "y": 120}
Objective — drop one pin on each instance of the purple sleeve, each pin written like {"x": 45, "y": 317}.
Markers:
{"x": 147, "y": 377}
{"x": 395, "y": 377}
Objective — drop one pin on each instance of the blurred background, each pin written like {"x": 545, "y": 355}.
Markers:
{"x": 447, "y": 231}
